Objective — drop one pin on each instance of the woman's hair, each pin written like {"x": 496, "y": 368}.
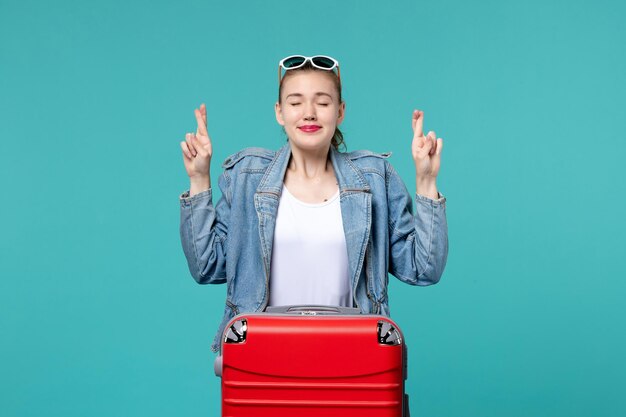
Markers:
{"x": 337, "y": 140}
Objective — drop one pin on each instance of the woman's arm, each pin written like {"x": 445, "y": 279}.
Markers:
{"x": 203, "y": 227}
{"x": 203, "y": 232}
{"x": 418, "y": 243}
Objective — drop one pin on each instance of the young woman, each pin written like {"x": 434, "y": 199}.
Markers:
{"x": 308, "y": 224}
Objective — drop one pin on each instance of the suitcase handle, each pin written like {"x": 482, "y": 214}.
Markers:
{"x": 313, "y": 310}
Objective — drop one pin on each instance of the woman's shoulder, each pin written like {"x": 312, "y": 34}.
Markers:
{"x": 366, "y": 154}
{"x": 250, "y": 157}
{"x": 259, "y": 158}
{"x": 366, "y": 159}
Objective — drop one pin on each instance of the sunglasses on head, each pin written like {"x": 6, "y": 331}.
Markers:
{"x": 322, "y": 62}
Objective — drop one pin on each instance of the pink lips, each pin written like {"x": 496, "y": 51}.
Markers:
{"x": 310, "y": 128}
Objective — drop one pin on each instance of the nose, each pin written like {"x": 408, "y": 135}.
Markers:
{"x": 309, "y": 113}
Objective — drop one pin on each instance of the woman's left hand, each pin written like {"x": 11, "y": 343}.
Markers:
{"x": 426, "y": 151}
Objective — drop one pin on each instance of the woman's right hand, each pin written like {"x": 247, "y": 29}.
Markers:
{"x": 197, "y": 152}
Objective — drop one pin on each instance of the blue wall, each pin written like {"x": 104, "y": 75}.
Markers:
{"x": 98, "y": 313}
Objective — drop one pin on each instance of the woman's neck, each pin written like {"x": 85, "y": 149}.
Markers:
{"x": 309, "y": 165}
{"x": 310, "y": 176}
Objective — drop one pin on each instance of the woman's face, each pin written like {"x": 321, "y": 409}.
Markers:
{"x": 309, "y": 109}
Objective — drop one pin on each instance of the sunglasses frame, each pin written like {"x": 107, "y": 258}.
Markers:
{"x": 281, "y": 65}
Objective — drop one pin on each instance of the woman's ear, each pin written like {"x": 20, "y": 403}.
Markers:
{"x": 279, "y": 114}
{"x": 341, "y": 113}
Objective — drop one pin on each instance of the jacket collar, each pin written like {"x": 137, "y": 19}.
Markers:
{"x": 348, "y": 175}
{"x": 272, "y": 181}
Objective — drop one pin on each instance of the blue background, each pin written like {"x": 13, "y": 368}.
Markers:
{"x": 98, "y": 313}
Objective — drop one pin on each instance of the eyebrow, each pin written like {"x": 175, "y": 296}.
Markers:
{"x": 301, "y": 95}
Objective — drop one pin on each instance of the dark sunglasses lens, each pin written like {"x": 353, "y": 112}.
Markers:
{"x": 294, "y": 61}
{"x": 323, "y": 62}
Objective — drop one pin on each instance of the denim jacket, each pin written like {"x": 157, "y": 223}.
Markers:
{"x": 231, "y": 242}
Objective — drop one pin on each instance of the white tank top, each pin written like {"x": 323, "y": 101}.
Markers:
{"x": 309, "y": 255}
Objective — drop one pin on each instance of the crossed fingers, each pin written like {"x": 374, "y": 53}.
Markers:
{"x": 201, "y": 119}
{"x": 197, "y": 143}
{"x": 426, "y": 145}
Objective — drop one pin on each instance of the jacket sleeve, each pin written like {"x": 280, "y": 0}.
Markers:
{"x": 418, "y": 244}
{"x": 203, "y": 232}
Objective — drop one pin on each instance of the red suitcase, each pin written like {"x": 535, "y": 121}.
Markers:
{"x": 312, "y": 361}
